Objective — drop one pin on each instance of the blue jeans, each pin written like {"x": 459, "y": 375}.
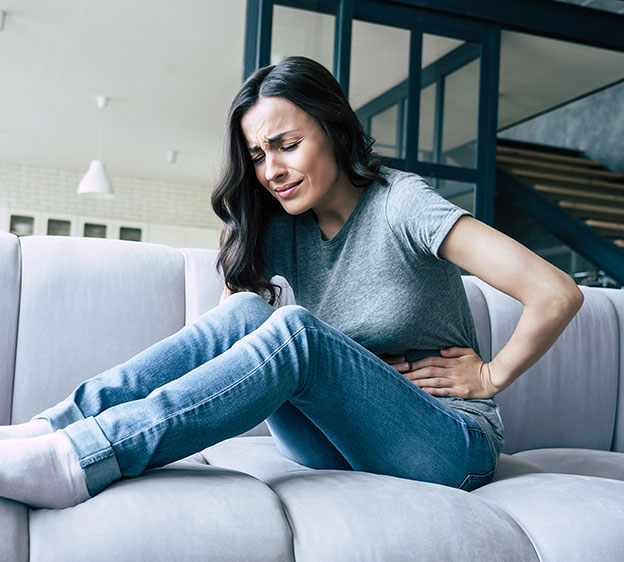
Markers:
{"x": 328, "y": 401}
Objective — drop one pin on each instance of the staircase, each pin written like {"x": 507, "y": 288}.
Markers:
{"x": 579, "y": 185}
{"x": 575, "y": 198}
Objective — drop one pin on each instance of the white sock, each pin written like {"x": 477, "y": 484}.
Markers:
{"x": 43, "y": 472}
{"x": 32, "y": 428}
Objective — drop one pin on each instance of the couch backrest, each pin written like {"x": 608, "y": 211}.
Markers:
{"x": 569, "y": 398}
{"x": 86, "y": 305}
{"x": 9, "y": 304}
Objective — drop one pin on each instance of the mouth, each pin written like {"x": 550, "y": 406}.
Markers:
{"x": 287, "y": 190}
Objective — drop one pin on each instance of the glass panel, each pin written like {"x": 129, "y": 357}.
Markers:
{"x": 521, "y": 227}
{"x": 133, "y": 234}
{"x": 448, "y": 133}
{"x": 376, "y": 100}
{"x": 302, "y": 33}
{"x": 459, "y": 193}
{"x": 538, "y": 74}
{"x": 22, "y": 226}
{"x": 461, "y": 116}
{"x": 427, "y": 123}
{"x": 59, "y": 227}
{"x": 384, "y": 131}
{"x": 95, "y": 230}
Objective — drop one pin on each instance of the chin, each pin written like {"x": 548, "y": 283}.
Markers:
{"x": 294, "y": 207}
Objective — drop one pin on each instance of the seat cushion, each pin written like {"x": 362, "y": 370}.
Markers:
{"x": 13, "y": 531}
{"x": 568, "y": 518}
{"x": 344, "y": 515}
{"x": 185, "y": 511}
{"x": 588, "y": 462}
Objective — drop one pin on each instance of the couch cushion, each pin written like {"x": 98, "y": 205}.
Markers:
{"x": 86, "y": 305}
{"x": 616, "y": 297}
{"x": 203, "y": 283}
{"x": 567, "y": 517}
{"x": 480, "y": 315}
{"x": 9, "y": 303}
{"x": 341, "y": 515}
{"x": 511, "y": 466}
{"x": 184, "y": 511}
{"x": 13, "y": 531}
{"x": 568, "y": 398}
{"x": 605, "y": 464}
{"x": 254, "y": 455}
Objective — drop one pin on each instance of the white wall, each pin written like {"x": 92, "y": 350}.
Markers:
{"x": 175, "y": 214}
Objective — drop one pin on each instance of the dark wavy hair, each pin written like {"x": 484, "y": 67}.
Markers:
{"x": 239, "y": 199}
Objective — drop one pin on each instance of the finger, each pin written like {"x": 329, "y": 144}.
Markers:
{"x": 394, "y": 358}
{"x": 430, "y": 362}
{"x": 402, "y": 367}
{"x": 438, "y": 382}
{"x": 428, "y": 372}
{"x": 446, "y": 391}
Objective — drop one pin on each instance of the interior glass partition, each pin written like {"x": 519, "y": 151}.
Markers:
{"x": 303, "y": 33}
{"x": 423, "y": 85}
{"x": 381, "y": 104}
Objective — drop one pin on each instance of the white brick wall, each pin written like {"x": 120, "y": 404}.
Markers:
{"x": 47, "y": 189}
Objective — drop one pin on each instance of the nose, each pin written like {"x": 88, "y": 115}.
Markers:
{"x": 274, "y": 167}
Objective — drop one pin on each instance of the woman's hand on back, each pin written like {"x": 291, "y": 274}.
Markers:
{"x": 457, "y": 372}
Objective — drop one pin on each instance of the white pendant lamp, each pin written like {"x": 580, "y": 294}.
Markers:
{"x": 96, "y": 182}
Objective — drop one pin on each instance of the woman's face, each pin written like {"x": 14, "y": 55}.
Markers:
{"x": 288, "y": 147}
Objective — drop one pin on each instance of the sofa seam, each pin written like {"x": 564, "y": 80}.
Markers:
{"x": 522, "y": 527}
{"x": 619, "y": 377}
{"x": 17, "y": 325}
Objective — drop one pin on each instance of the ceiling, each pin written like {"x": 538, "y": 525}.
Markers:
{"x": 171, "y": 69}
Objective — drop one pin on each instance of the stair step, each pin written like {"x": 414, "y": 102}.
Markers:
{"x": 605, "y": 226}
{"x": 619, "y": 242}
{"x": 539, "y": 176}
{"x": 547, "y": 156}
{"x": 587, "y": 210}
{"x": 570, "y": 192}
{"x": 575, "y": 168}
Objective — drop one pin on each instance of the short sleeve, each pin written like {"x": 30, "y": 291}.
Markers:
{"x": 418, "y": 215}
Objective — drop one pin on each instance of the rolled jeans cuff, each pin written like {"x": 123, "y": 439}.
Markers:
{"x": 95, "y": 453}
{"x": 61, "y": 414}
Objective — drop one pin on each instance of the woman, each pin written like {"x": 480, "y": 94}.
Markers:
{"x": 376, "y": 369}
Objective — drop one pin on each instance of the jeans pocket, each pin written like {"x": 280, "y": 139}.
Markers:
{"x": 474, "y": 481}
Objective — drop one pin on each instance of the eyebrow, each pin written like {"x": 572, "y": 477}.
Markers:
{"x": 276, "y": 138}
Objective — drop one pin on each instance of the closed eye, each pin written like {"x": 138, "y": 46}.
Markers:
{"x": 284, "y": 148}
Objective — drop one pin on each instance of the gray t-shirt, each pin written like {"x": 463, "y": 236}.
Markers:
{"x": 380, "y": 280}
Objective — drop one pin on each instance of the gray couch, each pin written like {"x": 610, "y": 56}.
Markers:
{"x": 72, "y": 307}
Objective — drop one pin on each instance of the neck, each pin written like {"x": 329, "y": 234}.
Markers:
{"x": 332, "y": 213}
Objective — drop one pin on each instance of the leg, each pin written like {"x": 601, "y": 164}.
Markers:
{"x": 300, "y": 440}
{"x": 378, "y": 420}
{"x": 210, "y": 335}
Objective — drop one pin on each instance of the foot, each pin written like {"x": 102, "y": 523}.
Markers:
{"x": 32, "y": 428}
{"x": 43, "y": 472}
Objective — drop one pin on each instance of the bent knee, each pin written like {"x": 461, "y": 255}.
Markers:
{"x": 294, "y": 313}
{"x": 245, "y": 298}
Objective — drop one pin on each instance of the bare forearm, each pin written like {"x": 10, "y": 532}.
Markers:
{"x": 538, "y": 328}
